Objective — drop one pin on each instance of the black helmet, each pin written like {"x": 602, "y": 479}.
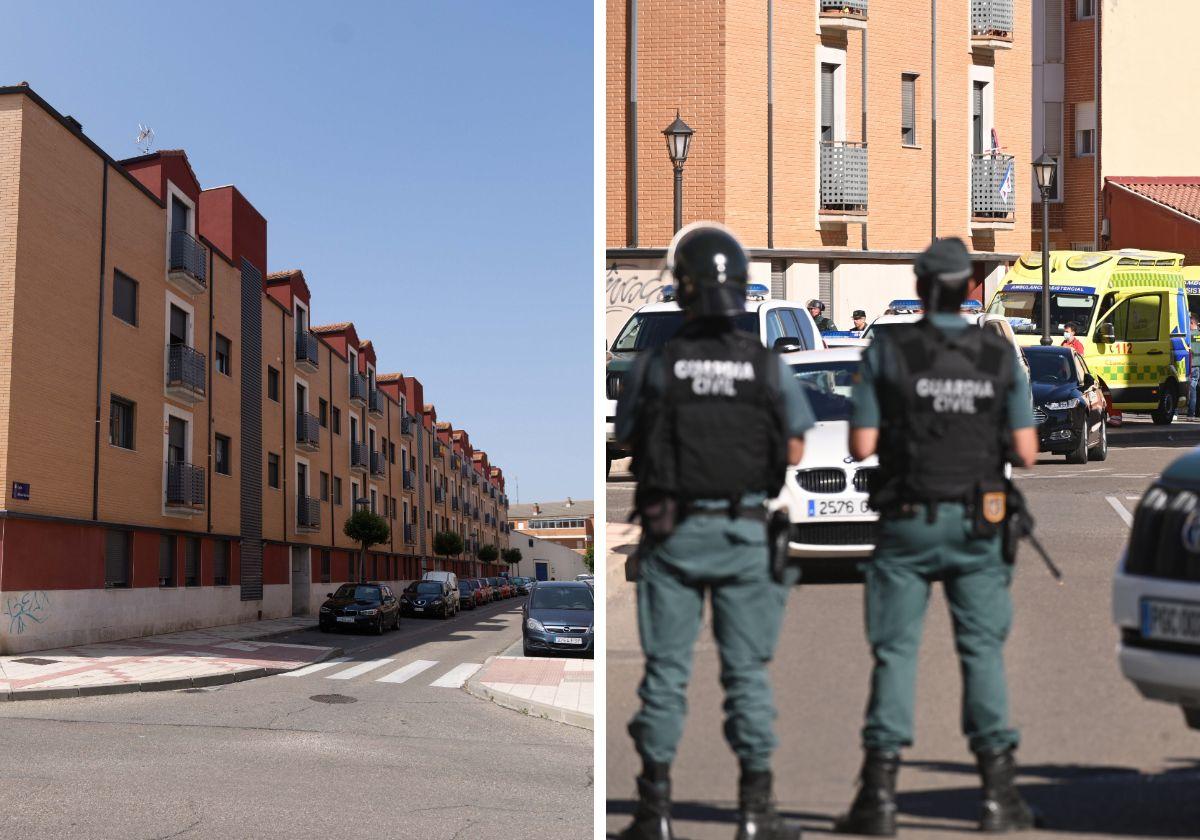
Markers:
{"x": 815, "y": 304}
{"x": 710, "y": 269}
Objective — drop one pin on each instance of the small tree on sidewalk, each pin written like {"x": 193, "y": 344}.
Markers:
{"x": 487, "y": 553}
{"x": 367, "y": 529}
{"x": 511, "y": 556}
{"x": 589, "y": 559}
{"x": 446, "y": 543}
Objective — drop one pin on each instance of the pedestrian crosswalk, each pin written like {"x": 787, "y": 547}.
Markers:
{"x": 455, "y": 677}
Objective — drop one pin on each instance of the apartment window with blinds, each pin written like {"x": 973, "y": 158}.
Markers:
{"x": 1053, "y": 31}
{"x": 272, "y": 384}
{"x": 1085, "y": 9}
{"x": 118, "y": 559}
{"x": 1052, "y": 143}
{"x": 223, "y": 355}
{"x": 908, "y": 109}
{"x": 324, "y": 566}
{"x": 324, "y": 487}
{"x": 120, "y": 422}
{"x": 220, "y": 562}
{"x": 337, "y": 490}
{"x": 125, "y": 296}
{"x": 222, "y": 458}
{"x": 166, "y": 560}
{"x": 191, "y": 561}
{"x": 1085, "y": 129}
{"x": 273, "y": 470}
{"x": 827, "y": 104}
{"x": 337, "y": 420}
{"x": 323, "y": 412}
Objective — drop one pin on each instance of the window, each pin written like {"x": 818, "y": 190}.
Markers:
{"x": 221, "y": 458}
{"x": 387, "y": 506}
{"x": 125, "y": 298}
{"x": 120, "y": 422}
{"x": 1085, "y": 9}
{"x": 323, "y": 412}
{"x": 223, "y": 355}
{"x": 1052, "y": 143}
{"x": 373, "y": 501}
{"x": 166, "y": 560}
{"x": 324, "y": 487}
{"x": 337, "y": 420}
{"x": 324, "y": 565}
{"x": 354, "y": 497}
{"x": 908, "y": 109}
{"x": 272, "y": 384}
{"x": 392, "y": 452}
{"x": 337, "y": 490}
{"x": 272, "y": 470}
{"x": 1144, "y": 313}
{"x": 827, "y": 103}
{"x": 118, "y": 559}
{"x": 1085, "y": 129}
{"x": 191, "y": 561}
{"x": 1053, "y": 31}
{"x": 220, "y": 562}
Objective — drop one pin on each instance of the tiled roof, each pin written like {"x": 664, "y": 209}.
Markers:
{"x": 1180, "y": 194}
{"x": 280, "y": 275}
{"x": 389, "y": 377}
{"x": 578, "y": 509}
{"x": 331, "y": 328}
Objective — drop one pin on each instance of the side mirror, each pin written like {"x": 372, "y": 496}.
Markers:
{"x": 1106, "y": 334}
{"x": 328, "y": 594}
{"x": 786, "y": 344}
{"x": 1088, "y": 380}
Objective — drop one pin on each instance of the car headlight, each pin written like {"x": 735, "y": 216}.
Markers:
{"x": 1064, "y": 405}
{"x": 436, "y": 601}
{"x": 368, "y": 612}
{"x": 326, "y": 609}
{"x": 534, "y": 624}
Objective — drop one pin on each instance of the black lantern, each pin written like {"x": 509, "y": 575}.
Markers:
{"x": 1043, "y": 170}
{"x": 679, "y": 140}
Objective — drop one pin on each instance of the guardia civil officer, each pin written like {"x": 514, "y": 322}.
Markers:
{"x": 816, "y": 308}
{"x": 943, "y": 403}
{"x": 713, "y": 418}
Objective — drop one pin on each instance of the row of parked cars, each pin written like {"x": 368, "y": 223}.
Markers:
{"x": 375, "y": 607}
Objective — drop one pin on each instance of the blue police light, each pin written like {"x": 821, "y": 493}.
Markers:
{"x": 842, "y": 334}
{"x": 666, "y": 294}
{"x": 757, "y": 291}
{"x": 906, "y": 305}
{"x": 971, "y": 306}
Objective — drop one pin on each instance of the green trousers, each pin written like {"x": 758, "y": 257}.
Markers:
{"x": 912, "y": 553}
{"x": 726, "y": 561}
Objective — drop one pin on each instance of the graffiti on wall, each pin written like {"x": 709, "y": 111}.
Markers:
{"x": 628, "y": 287}
{"x": 25, "y": 610}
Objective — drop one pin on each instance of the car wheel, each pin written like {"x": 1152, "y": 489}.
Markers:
{"x": 1165, "y": 413}
{"x": 1079, "y": 454}
{"x": 323, "y": 628}
{"x": 1100, "y": 451}
{"x": 379, "y": 627}
{"x": 527, "y": 650}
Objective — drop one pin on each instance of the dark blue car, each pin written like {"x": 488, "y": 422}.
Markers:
{"x": 1068, "y": 405}
{"x": 558, "y": 616}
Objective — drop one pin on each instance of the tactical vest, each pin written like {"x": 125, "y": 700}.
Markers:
{"x": 943, "y": 404}
{"x": 715, "y": 430}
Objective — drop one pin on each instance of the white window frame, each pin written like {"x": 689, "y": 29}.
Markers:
{"x": 307, "y": 479}
{"x": 986, "y": 76}
{"x": 170, "y": 411}
{"x": 1079, "y": 15}
{"x": 174, "y": 191}
{"x": 1084, "y": 121}
{"x": 827, "y": 55}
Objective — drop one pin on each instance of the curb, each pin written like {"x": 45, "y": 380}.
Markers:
{"x": 532, "y": 708}
{"x": 157, "y": 685}
{"x": 1136, "y": 437}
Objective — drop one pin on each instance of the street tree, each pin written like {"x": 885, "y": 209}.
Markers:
{"x": 589, "y": 559}
{"x": 488, "y": 553}
{"x": 447, "y": 543}
{"x": 367, "y": 529}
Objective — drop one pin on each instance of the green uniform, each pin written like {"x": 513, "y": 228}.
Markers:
{"x": 910, "y": 554}
{"x": 726, "y": 560}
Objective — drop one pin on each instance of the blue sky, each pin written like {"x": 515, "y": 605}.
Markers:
{"x": 427, "y": 164}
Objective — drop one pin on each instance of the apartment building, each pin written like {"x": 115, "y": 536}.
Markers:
{"x": 835, "y": 137}
{"x": 1127, "y": 176}
{"x": 179, "y": 444}
{"x": 569, "y": 523}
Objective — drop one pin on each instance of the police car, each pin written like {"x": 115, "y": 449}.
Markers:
{"x": 826, "y": 494}
{"x": 1156, "y": 591}
{"x": 780, "y": 324}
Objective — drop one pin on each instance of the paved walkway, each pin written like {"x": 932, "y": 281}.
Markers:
{"x": 556, "y": 689}
{"x": 192, "y": 658}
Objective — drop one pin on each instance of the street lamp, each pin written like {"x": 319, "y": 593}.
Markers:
{"x": 1043, "y": 170}
{"x": 679, "y": 138}
{"x": 364, "y": 503}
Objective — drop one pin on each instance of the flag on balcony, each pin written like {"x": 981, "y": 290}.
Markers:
{"x": 1006, "y": 186}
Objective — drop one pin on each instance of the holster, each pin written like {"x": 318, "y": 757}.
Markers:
{"x": 1017, "y": 526}
{"x": 660, "y": 516}
{"x": 778, "y": 529}
{"x": 990, "y": 508}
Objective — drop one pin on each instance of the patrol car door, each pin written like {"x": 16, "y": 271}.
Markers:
{"x": 774, "y": 328}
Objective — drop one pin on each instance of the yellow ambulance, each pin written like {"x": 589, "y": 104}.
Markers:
{"x": 1131, "y": 308}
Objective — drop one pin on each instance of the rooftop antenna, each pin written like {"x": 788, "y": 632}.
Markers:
{"x": 144, "y": 139}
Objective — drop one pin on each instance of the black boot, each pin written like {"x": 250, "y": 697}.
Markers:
{"x": 652, "y": 818}
{"x": 1003, "y": 807}
{"x": 757, "y": 819}
{"x": 873, "y": 811}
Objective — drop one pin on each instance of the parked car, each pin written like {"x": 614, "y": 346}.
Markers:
{"x": 585, "y": 577}
{"x": 363, "y": 606}
{"x": 1068, "y": 405}
{"x": 450, "y": 579}
{"x": 501, "y": 587}
{"x": 429, "y": 597}
{"x": 558, "y": 615}
{"x": 521, "y": 585}
{"x": 485, "y": 592}
{"x": 466, "y": 595}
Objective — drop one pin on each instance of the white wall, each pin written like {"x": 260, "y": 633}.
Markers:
{"x": 870, "y": 286}
{"x": 802, "y": 281}
{"x": 564, "y": 563}
{"x": 628, "y": 286}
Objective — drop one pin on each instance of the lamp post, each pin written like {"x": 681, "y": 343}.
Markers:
{"x": 362, "y": 551}
{"x": 1043, "y": 170}
{"x": 679, "y": 138}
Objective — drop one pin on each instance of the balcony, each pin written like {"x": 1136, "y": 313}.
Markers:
{"x": 187, "y": 267}
{"x": 359, "y": 459}
{"x": 308, "y": 432}
{"x": 358, "y": 390}
{"x": 185, "y": 488}
{"x": 454, "y": 502}
{"x": 455, "y": 462}
{"x": 306, "y": 351}
{"x": 308, "y": 514}
{"x": 843, "y": 181}
{"x": 186, "y": 371}
{"x": 993, "y": 192}
{"x": 439, "y": 495}
{"x": 375, "y": 403}
{"x": 843, "y": 14}
{"x": 406, "y": 424}
{"x": 408, "y": 534}
{"x": 378, "y": 465}
{"x": 410, "y": 480}
{"x": 991, "y": 24}
{"x": 437, "y": 449}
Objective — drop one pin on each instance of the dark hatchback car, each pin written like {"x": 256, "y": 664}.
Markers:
{"x": 1068, "y": 405}
{"x": 363, "y": 606}
{"x": 521, "y": 585}
{"x": 427, "y": 597}
{"x": 466, "y": 595}
{"x": 558, "y": 616}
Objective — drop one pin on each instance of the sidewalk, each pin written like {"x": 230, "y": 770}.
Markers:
{"x": 555, "y": 689}
{"x": 1139, "y": 430}
{"x": 193, "y": 658}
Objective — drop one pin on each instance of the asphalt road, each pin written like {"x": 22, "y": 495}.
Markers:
{"x": 334, "y": 752}
{"x": 1096, "y": 758}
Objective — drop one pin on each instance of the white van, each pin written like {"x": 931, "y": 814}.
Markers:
{"x": 446, "y": 577}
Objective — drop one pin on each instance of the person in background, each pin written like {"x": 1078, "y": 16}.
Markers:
{"x": 1070, "y": 330}
{"x": 1194, "y": 374}
{"x": 860, "y": 321}
{"x": 816, "y": 308}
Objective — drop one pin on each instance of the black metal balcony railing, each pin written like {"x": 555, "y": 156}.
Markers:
{"x": 454, "y": 503}
{"x": 185, "y": 484}
{"x": 186, "y": 369}
{"x": 409, "y": 480}
{"x": 375, "y": 401}
{"x": 843, "y": 177}
{"x": 993, "y": 186}
{"x": 358, "y": 387}
{"x": 437, "y": 449}
{"x": 408, "y": 534}
{"x": 454, "y": 462}
{"x": 188, "y": 256}
{"x": 406, "y": 424}
{"x": 358, "y": 456}
{"x": 439, "y": 495}
{"x": 308, "y": 512}
{"x": 308, "y": 430}
{"x": 306, "y": 349}
{"x": 992, "y": 18}
{"x": 855, "y": 8}
{"x": 378, "y": 464}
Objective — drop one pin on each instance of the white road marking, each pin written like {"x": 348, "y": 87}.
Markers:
{"x": 455, "y": 677}
{"x": 312, "y": 669}
{"x": 1133, "y": 498}
{"x": 408, "y": 671}
{"x": 1125, "y": 515}
{"x": 358, "y": 670}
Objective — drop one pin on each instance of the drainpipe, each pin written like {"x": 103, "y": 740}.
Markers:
{"x": 631, "y": 146}
{"x": 933, "y": 117}
{"x": 770, "y": 129}
{"x": 1099, "y": 136}
{"x": 864, "y": 127}
{"x": 100, "y": 343}
{"x": 211, "y": 309}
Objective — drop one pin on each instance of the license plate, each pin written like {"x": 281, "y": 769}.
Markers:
{"x": 567, "y": 640}
{"x": 835, "y": 508}
{"x": 346, "y": 619}
{"x": 1171, "y": 621}
{"x": 418, "y": 609}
